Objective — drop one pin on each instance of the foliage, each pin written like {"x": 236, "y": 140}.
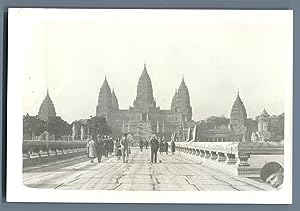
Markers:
{"x": 32, "y": 126}
{"x": 214, "y": 122}
{"x": 98, "y": 125}
{"x": 59, "y": 127}
{"x": 277, "y": 126}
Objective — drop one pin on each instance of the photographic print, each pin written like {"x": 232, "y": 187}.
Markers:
{"x": 149, "y": 106}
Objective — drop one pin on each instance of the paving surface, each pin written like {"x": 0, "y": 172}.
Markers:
{"x": 173, "y": 173}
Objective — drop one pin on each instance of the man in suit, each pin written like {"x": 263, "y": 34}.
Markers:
{"x": 154, "y": 144}
{"x": 125, "y": 148}
{"x": 99, "y": 148}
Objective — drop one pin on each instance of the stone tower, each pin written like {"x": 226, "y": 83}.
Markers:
{"x": 105, "y": 105}
{"x": 264, "y": 121}
{"x": 182, "y": 102}
{"x": 47, "y": 108}
{"x": 144, "y": 98}
{"x": 238, "y": 117}
{"x": 115, "y": 103}
{"x": 173, "y": 104}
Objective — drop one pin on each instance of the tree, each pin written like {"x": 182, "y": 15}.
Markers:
{"x": 58, "y": 127}
{"x": 277, "y": 126}
{"x": 214, "y": 122}
{"x": 98, "y": 125}
{"x": 32, "y": 126}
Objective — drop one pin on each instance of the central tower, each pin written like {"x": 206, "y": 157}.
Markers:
{"x": 144, "y": 97}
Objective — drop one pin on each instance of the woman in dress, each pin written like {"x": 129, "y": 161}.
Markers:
{"x": 92, "y": 149}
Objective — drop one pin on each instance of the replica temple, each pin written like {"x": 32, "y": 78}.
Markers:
{"x": 145, "y": 117}
{"x": 144, "y": 110}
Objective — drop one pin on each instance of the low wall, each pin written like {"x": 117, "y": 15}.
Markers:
{"x": 35, "y": 152}
{"x": 236, "y": 158}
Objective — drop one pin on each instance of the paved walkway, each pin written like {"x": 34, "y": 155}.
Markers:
{"x": 174, "y": 173}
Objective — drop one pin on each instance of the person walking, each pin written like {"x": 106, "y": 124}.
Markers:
{"x": 146, "y": 144}
{"x": 118, "y": 149}
{"x": 154, "y": 144}
{"x": 166, "y": 146}
{"x": 91, "y": 148}
{"x": 125, "y": 148}
{"x": 141, "y": 144}
{"x": 105, "y": 146}
{"x": 172, "y": 147}
{"x": 99, "y": 148}
{"x": 161, "y": 146}
{"x": 111, "y": 146}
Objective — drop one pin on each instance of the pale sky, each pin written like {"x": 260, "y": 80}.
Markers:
{"x": 71, "y": 51}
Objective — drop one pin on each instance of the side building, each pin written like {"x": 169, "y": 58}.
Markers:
{"x": 241, "y": 128}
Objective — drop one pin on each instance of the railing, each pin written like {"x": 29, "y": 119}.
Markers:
{"x": 233, "y": 157}
{"x": 40, "y": 151}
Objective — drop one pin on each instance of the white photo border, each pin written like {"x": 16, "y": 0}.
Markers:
{"x": 17, "y": 192}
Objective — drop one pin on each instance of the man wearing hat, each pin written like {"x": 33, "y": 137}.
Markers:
{"x": 124, "y": 148}
{"x": 99, "y": 148}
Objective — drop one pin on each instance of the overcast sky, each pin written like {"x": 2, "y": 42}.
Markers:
{"x": 71, "y": 51}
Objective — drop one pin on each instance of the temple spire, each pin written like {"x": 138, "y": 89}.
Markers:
{"x": 144, "y": 98}
{"x": 104, "y": 99}
{"x": 47, "y": 108}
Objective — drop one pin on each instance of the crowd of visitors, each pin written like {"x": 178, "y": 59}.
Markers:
{"x": 104, "y": 146}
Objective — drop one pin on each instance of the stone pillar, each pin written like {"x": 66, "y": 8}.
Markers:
{"x": 47, "y": 136}
{"x": 231, "y": 159}
{"x": 163, "y": 127}
{"x": 194, "y": 152}
{"x": 123, "y": 127}
{"x": 243, "y": 160}
{"x": 214, "y": 156}
{"x": 74, "y": 132}
{"x": 202, "y": 153}
{"x": 207, "y": 154}
{"x": 157, "y": 127}
{"x": 221, "y": 157}
{"x": 82, "y": 133}
{"x": 128, "y": 128}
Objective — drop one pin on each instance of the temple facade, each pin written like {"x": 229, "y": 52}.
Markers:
{"x": 144, "y": 109}
{"x": 47, "y": 108}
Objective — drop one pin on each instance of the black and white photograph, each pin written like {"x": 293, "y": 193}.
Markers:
{"x": 149, "y": 106}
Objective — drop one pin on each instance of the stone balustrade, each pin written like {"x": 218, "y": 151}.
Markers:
{"x": 43, "y": 151}
{"x": 232, "y": 157}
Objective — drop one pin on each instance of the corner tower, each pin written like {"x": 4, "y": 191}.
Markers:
{"x": 264, "y": 121}
{"x": 47, "y": 108}
{"x": 144, "y": 98}
{"x": 238, "y": 117}
{"x": 104, "y": 106}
